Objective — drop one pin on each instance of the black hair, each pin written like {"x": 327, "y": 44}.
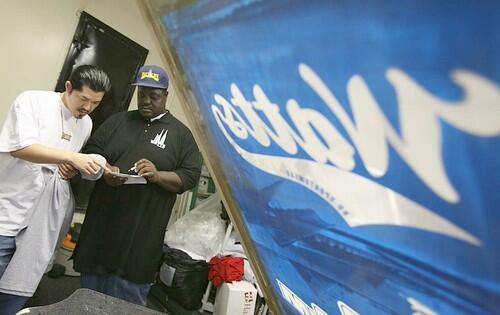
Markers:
{"x": 92, "y": 76}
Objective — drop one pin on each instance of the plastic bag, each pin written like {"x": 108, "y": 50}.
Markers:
{"x": 188, "y": 280}
{"x": 200, "y": 232}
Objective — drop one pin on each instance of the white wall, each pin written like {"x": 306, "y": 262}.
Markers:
{"x": 36, "y": 35}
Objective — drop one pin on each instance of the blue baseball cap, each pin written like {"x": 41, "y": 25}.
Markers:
{"x": 152, "y": 76}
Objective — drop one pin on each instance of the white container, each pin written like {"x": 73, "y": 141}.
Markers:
{"x": 237, "y": 298}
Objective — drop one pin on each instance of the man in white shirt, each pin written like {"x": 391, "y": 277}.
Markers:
{"x": 42, "y": 135}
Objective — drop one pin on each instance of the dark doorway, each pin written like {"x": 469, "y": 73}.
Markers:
{"x": 96, "y": 43}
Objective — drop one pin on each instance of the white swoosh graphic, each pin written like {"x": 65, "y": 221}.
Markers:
{"x": 357, "y": 199}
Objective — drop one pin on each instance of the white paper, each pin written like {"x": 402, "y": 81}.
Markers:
{"x": 167, "y": 274}
{"x": 131, "y": 179}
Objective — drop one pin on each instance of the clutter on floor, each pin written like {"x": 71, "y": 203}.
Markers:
{"x": 184, "y": 279}
{"x": 225, "y": 269}
{"x": 201, "y": 246}
{"x": 237, "y": 297}
{"x": 204, "y": 268}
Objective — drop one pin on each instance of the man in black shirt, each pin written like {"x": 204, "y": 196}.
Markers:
{"x": 120, "y": 245}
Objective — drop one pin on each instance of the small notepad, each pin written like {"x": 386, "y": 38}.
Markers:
{"x": 131, "y": 179}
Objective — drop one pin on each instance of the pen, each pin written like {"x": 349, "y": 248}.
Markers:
{"x": 132, "y": 169}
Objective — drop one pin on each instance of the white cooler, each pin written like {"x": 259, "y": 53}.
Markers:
{"x": 237, "y": 298}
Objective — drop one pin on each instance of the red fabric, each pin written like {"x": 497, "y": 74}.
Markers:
{"x": 225, "y": 269}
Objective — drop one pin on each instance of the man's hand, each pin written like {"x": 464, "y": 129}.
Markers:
{"x": 86, "y": 163}
{"x": 67, "y": 171}
{"x": 113, "y": 180}
{"x": 168, "y": 180}
{"x": 147, "y": 169}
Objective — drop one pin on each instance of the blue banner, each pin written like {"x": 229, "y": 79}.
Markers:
{"x": 361, "y": 142}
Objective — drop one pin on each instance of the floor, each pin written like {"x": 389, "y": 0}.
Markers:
{"x": 52, "y": 290}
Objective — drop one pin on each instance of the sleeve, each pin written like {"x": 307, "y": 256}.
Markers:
{"x": 96, "y": 176}
{"x": 20, "y": 128}
{"x": 190, "y": 163}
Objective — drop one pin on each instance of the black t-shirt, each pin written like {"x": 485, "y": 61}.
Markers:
{"x": 124, "y": 226}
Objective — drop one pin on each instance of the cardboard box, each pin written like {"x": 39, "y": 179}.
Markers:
{"x": 237, "y": 298}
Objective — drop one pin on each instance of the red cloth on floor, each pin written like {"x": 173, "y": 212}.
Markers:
{"x": 225, "y": 269}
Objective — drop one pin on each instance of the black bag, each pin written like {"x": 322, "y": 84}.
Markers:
{"x": 190, "y": 278}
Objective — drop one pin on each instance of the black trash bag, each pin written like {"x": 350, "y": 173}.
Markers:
{"x": 190, "y": 278}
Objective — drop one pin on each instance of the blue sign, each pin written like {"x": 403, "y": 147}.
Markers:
{"x": 361, "y": 142}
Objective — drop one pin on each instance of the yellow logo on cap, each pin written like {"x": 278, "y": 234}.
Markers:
{"x": 150, "y": 75}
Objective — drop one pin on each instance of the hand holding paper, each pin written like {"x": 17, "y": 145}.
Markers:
{"x": 115, "y": 178}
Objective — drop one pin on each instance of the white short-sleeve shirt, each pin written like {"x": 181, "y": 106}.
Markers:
{"x": 34, "y": 117}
